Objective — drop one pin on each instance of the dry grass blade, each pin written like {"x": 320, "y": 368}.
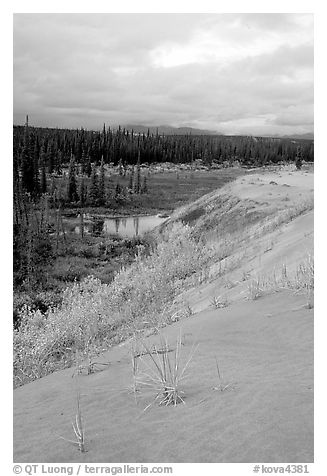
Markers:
{"x": 218, "y": 371}
{"x": 78, "y": 428}
{"x": 134, "y": 353}
{"x": 221, "y": 386}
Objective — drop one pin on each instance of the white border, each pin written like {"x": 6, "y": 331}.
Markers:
{"x": 320, "y": 204}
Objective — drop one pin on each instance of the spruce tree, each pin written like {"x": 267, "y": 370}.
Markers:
{"x": 53, "y": 192}
{"x": 84, "y": 162}
{"x": 43, "y": 178}
{"x": 144, "y": 188}
{"x": 51, "y": 158}
{"x": 27, "y": 162}
{"x": 94, "y": 187}
{"x": 131, "y": 180}
{"x": 82, "y": 193}
{"x": 59, "y": 162}
{"x": 117, "y": 191}
{"x": 137, "y": 184}
{"x": 298, "y": 158}
{"x": 72, "y": 194}
{"x": 36, "y": 153}
{"x": 15, "y": 168}
{"x": 101, "y": 190}
{"x": 88, "y": 167}
{"x": 108, "y": 194}
{"x": 120, "y": 167}
{"x": 43, "y": 182}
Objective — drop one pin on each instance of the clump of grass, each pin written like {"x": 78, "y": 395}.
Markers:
{"x": 304, "y": 277}
{"x": 203, "y": 276}
{"x": 310, "y": 299}
{"x": 245, "y": 275}
{"x": 90, "y": 365}
{"x": 302, "y": 280}
{"x": 218, "y": 302}
{"x": 221, "y": 387}
{"x": 229, "y": 284}
{"x": 164, "y": 372}
{"x": 261, "y": 284}
{"x": 175, "y": 315}
{"x": 255, "y": 289}
{"x": 189, "y": 311}
{"x": 78, "y": 427}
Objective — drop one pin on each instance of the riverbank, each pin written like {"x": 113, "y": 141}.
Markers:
{"x": 167, "y": 189}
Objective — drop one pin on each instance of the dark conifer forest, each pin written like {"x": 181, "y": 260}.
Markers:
{"x": 42, "y": 151}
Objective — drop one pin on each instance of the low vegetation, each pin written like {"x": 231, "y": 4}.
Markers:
{"x": 300, "y": 280}
{"x": 104, "y": 314}
{"x": 219, "y": 302}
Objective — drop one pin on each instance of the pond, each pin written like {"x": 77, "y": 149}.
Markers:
{"x": 123, "y": 227}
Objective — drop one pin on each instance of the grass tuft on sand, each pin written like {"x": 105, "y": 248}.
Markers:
{"x": 164, "y": 370}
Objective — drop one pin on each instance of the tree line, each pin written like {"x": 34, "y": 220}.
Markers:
{"x": 41, "y": 152}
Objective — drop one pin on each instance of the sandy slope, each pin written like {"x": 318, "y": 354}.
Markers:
{"x": 287, "y": 246}
{"x": 265, "y": 353}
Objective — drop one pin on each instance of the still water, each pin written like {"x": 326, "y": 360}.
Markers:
{"x": 124, "y": 227}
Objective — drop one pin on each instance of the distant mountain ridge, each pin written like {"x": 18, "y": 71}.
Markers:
{"x": 307, "y": 135}
{"x": 169, "y": 130}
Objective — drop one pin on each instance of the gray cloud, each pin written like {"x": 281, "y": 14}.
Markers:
{"x": 82, "y": 70}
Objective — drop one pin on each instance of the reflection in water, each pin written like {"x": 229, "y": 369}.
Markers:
{"x": 97, "y": 227}
{"x": 136, "y": 226}
{"x": 125, "y": 227}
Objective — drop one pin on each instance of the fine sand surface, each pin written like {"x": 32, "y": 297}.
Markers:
{"x": 265, "y": 353}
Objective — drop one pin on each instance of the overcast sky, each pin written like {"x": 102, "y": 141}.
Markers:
{"x": 232, "y": 73}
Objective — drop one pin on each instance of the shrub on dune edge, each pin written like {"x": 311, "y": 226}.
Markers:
{"x": 96, "y": 314}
